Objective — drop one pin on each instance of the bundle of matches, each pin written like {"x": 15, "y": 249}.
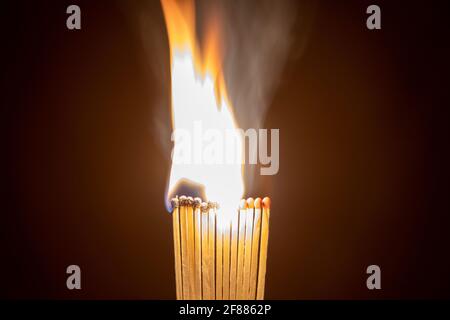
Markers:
{"x": 220, "y": 256}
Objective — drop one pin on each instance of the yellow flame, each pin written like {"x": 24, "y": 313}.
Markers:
{"x": 199, "y": 95}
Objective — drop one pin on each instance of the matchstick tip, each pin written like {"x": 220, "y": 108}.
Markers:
{"x": 182, "y": 201}
{"x": 204, "y": 207}
{"x": 243, "y": 204}
{"x": 266, "y": 202}
{"x": 250, "y": 203}
{"x": 175, "y": 203}
{"x": 197, "y": 202}
{"x": 258, "y": 203}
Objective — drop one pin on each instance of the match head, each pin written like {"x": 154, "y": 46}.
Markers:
{"x": 197, "y": 202}
{"x": 204, "y": 207}
{"x": 250, "y": 203}
{"x": 266, "y": 202}
{"x": 182, "y": 201}
{"x": 258, "y": 203}
{"x": 175, "y": 202}
{"x": 212, "y": 205}
{"x": 243, "y": 204}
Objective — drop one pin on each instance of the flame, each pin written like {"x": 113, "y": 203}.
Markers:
{"x": 199, "y": 97}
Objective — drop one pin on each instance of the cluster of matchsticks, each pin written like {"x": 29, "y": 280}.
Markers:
{"x": 219, "y": 256}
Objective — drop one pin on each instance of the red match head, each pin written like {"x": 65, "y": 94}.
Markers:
{"x": 258, "y": 203}
{"x": 266, "y": 202}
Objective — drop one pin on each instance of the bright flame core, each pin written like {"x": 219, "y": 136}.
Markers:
{"x": 199, "y": 96}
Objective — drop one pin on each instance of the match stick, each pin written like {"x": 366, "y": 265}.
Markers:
{"x": 177, "y": 247}
{"x": 191, "y": 246}
{"x": 184, "y": 249}
{"x": 211, "y": 248}
{"x": 234, "y": 251}
{"x": 255, "y": 248}
{"x": 248, "y": 248}
{"x": 219, "y": 255}
{"x": 198, "y": 249}
{"x": 263, "y": 249}
{"x": 241, "y": 248}
{"x": 226, "y": 258}
{"x": 206, "y": 282}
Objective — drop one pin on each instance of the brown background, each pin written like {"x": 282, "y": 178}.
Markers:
{"x": 363, "y": 158}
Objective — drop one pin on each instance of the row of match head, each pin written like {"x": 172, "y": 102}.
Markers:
{"x": 193, "y": 202}
{"x": 198, "y": 203}
{"x": 255, "y": 203}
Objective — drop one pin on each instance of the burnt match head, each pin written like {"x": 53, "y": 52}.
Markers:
{"x": 204, "y": 207}
{"x": 185, "y": 201}
{"x": 175, "y": 202}
{"x": 182, "y": 201}
{"x": 266, "y": 202}
{"x": 214, "y": 205}
{"x": 197, "y": 202}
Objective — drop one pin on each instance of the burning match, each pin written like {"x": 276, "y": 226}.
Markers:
{"x": 202, "y": 249}
{"x": 220, "y": 248}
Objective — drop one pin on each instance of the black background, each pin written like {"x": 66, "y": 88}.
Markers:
{"x": 363, "y": 157}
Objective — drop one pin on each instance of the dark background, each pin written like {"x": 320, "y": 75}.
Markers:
{"x": 363, "y": 157}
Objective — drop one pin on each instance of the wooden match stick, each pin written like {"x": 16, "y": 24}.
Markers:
{"x": 248, "y": 248}
{"x": 255, "y": 248}
{"x": 226, "y": 259}
{"x": 263, "y": 249}
{"x": 177, "y": 247}
{"x": 198, "y": 249}
{"x": 217, "y": 258}
{"x": 219, "y": 255}
{"x": 206, "y": 282}
{"x": 184, "y": 249}
{"x": 191, "y": 246}
{"x": 234, "y": 251}
{"x": 241, "y": 248}
{"x": 211, "y": 248}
